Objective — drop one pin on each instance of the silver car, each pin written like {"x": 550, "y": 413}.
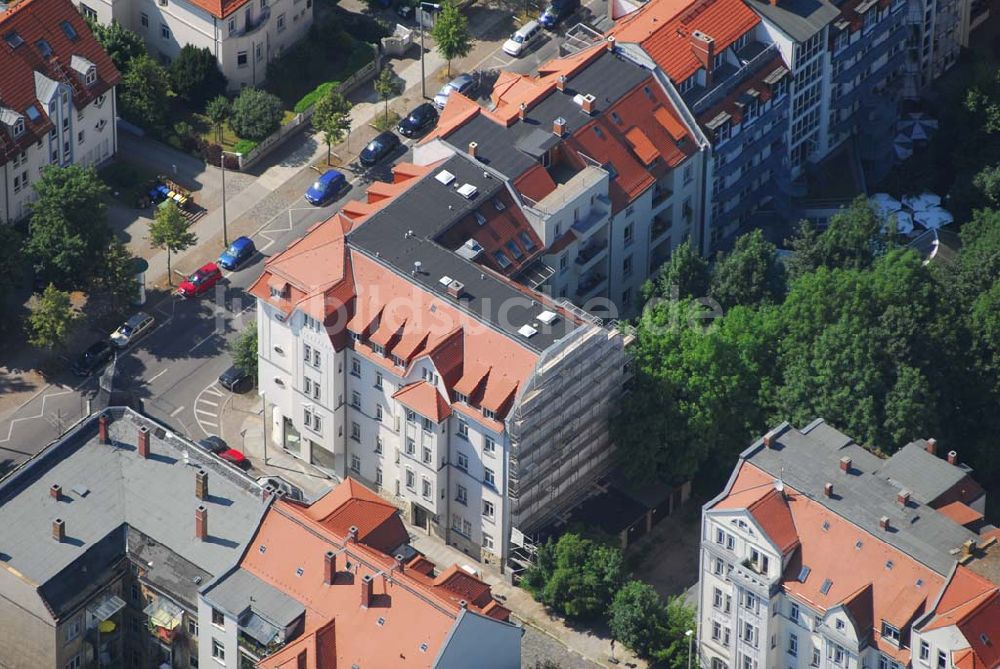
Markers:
{"x": 132, "y": 330}
{"x": 463, "y": 83}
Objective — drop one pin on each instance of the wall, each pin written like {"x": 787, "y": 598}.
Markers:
{"x": 29, "y": 633}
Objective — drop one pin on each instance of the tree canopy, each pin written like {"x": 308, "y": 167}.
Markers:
{"x": 121, "y": 44}
{"x": 332, "y": 117}
{"x": 144, "y": 93}
{"x": 749, "y": 274}
{"x": 195, "y": 75}
{"x": 256, "y": 113}
{"x": 575, "y": 576}
{"x": 243, "y": 350}
{"x": 169, "y": 231}
{"x": 451, "y": 33}
{"x": 50, "y": 319}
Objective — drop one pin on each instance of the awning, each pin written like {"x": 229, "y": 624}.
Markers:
{"x": 721, "y": 118}
{"x": 107, "y": 607}
{"x": 776, "y": 75}
{"x": 164, "y": 613}
{"x": 259, "y": 629}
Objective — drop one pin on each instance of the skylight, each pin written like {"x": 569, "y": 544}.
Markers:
{"x": 501, "y": 259}
{"x": 498, "y": 204}
{"x": 527, "y": 331}
{"x": 32, "y": 112}
{"x": 44, "y": 48}
{"x": 69, "y": 30}
{"x": 468, "y": 191}
{"x": 548, "y": 317}
{"x": 526, "y": 240}
{"x": 514, "y": 249}
{"x": 804, "y": 573}
{"x": 445, "y": 177}
{"x": 825, "y": 588}
{"x": 480, "y": 219}
{"x": 13, "y": 39}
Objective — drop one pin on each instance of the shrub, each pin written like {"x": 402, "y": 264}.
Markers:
{"x": 256, "y": 114}
{"x": 575, "y": 576}
{"x": 244, "y": 146}
{"x": 314, "y": 96}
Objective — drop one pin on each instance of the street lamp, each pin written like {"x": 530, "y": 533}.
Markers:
{"x": 430, "y": 6}
{"x": 690, "y": 635}
{"x": 225, "y": 228}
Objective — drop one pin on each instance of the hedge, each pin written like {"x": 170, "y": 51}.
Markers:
{"x": 244, "y": 146}
{"x": 314, "y": 96}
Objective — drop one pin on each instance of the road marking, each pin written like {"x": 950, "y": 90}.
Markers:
{"x": 209, "y": 402}
{"x": 41, "y": 413}
{"x": 191, "y": 350}
{"x": 176, "y": 411}
{"x": 206, "y": 411}
{"x": 157, "y": 376}
{"x": 208, "y": 417}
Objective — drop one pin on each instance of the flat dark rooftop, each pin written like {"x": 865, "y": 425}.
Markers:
{"x": 800, "y": 19}
{"x": 426, "y": 209}
{"x": 504, "y": 149}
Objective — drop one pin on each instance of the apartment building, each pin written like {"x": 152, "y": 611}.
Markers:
{"x": 608, "y": 173}
{"x": 396, "y": 348}
{"x": 57, "y": 98}
{"x": 819, "y": 553}
{"x": 244, "y": 35}
{"x": 335, "y": 584}
{"x": 108, "y": 534}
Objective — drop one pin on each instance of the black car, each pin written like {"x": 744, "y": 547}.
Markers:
{"x": 93, "y": 358}
{"x": 418, "y": 120}
{"x": 380, "y": 147}
{"x": 213, "y": 444}
{"x": 557, "y": 11}
{"x": 235, "y": 380}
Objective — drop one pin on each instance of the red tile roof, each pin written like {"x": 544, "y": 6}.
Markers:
{"x": 773, "y": 515}
{"x": 425, "y": 399}
{"x": 972, "y": 604}
{"x": 641, "y": 145}
{"x": 34, "y": 20}
{"x": 220, "y": 8}
{"x": 960, "y": 513}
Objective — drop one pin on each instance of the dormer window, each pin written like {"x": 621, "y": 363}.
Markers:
{"x": 91, "y": 76}
{"x": 890, "y": 633}
{"x": 489, "y": 413}
{"x": 18, "y": 127}
{"x": 686, "y": 85}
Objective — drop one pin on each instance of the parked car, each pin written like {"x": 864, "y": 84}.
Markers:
{"x": 463, "y": 83}
{"x": 93, "y": 358}
{"x": 281, "y": 485}
{"x": 522, "y": 39}
{"x": 132, "y": 330}
{"x": 326, "y": 188}
{"x": 380, "y": 147}
{"x": 241, "y": 250}
{"x": 418, "y": 120}
{"x": 213, "y": 444}
{"x": 234, "y": 380}
{"x": 232, "y": 456}
{"x": 198, "y": 283}
{"x": 557, "y": 12}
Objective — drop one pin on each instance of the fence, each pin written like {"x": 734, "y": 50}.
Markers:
{"x": 299, "y": 121}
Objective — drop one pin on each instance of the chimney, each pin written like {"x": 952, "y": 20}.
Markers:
{"x": 472, "y": 148}
{"x": 201, "y": 484}
{"x": 828, "y": 489}
{"x": 55, "y": 492}
{"x": 352, "y": 533}
{"x": 58, "y": 529}
{"x": 455, "y": 289}
{"x": 400, "y": 563}
{"x": 952, "y": 457}
{"x": 967, "y": 548}
{"x": 769, "y": 439}
{"x": 265, "y": 492}
{"x": 559, "y": 126}
{"x": 144, "y": 441}
{"x": 201, "y": 522}
{"x": 587, "y": 104}
{"x": 883, "y": 522}
{"x": 845, "y": 465}
{"x": 704, "y": 50}
{"x": 611, "y": 42}
{"x": 931, "y": 446}
{"x": 102, "y": 428}
{"x": 522, "y": 111}
{"x": 462, "y": 604}
{"x": 366, "y": 591}
{"x": 329, "y": 567}
{"x": 903, "y": 497}
{"x": 561, "y": 83}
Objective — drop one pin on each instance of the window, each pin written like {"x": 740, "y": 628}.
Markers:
{"x": 378, "y": 444}
{"x": 840, "y": 624}
{"x": 218, "y": 650}
{"x": 489, "y": 413}
{"x": 462, "y": 495}
{"x": 717, "y": 598}
{"x": 489, "y": 478}
{"x": 378, "y": 476}
{"x": 355, "y": 464}
{"x": 488, "y": 510}
{"x": 816, "y": 657}
{"x": 217, "y": 618}
{"x": 87, "y": 11}
{"x": 259, "y": 52}
{"x": 378, "y": 379}
{"x": 750, "y": 602}
{"x": 718, "y": 566}
{"x": 315, "y": 392}
{"x": 306, "y": 353}
{"x": 487, "y": 541}
{"x": 144, "y": 20}
{"x": 316, "y": 358}
{"x": 356, "y": 367}
{"x": 793, "y": 645}
{"x": 720, "y": 536}
{"x": 750, "y": 633}
{"x": 74, "y": 663}
{"x": 627, "y": 266}
{"x": 942, "y": 660}
{"x": 355, "y": 399}
{"x": 426, "y": 488}
{"x": 489, "y": 446}
{"x": 241, "y": 59}
{"x": 716, "y": 631}
{"x": 411, "y": 446}
{"x": 19, "y": 127}
{"x": 730, "y": 542}
{"x": 281, "y": 22}
{"x": 794, "y": 613}
{"x": 891, "y": 633}
{"x": 463, "y": 462}
{"x": 164, "y": 31}
{"x": 307, "y": 385}
{"x": 411, "y": 416}
{"x": 687, "y": 84}
{"x": 73, "y": 629}
{"x": 563, "y": 262}
{"x": 91, "y": 77}
{"x": 232, "y": 26}
{"x": 355, "y": 431}
{"x": 426, "y": 456}
{"x": 317, "y": 424}
{"x": 378, "y": 412}
{"x": 627, "y": 297}
{"x": 192, "y": 628}
{"x": 410, "y": 479}
{"x": 428, "y": 425}
{"x": 925, "y": 650}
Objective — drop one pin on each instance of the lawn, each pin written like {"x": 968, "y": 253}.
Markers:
{"x": 128, "y": 182}
{"x": 312, "y": 63}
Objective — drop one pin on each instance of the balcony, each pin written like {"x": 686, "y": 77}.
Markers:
{"x": 588, "y": 256}
{"x": 591, "y": 284}
{"x": 255, "y": 23}
{"x": 593, "y": 221}
{"x": 753, "y": 58}
{"x": 661, "y": 194}
{"x": 661, "y": 226}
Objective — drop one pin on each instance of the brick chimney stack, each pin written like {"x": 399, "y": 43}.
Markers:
{"x": 932, "y": 446}
{"x": 400, "y": 563}
{"x": 903, "y": 497}
{"x": 611, "y": 43}
{"x": 587, "y": 105}
{"x": 561, "y": 83}
{"x": 845, "y": 465}
{"x": 883, "y": 522}
{"x": 473, "y": 147}
{"x": 55, "y": 492}
{"x": 828, "y": 490}
{"x": 201, "y": 484}
{"x": 329, "y": 567}
{"x": 102, "y": 429}
{"x": 144, "y": 442}
{"x": 559, "y": 127}
{"x": 201, "y": 522}
{"x": 522, "y": 111}
{"x": 59, "y": 529}
{"x": 703, "y": 47}
{"x": 366, "y": 591}
{"x": 952, "y": 457}
{"x": 352, "y": 533}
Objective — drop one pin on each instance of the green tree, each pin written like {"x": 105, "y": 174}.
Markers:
{"x": 115, "y": 277}
{"x": 256, "y": 114}
{"x": 853, "y": 239}
{"x": 68, "y": 229}
{"x": 679, "y": 650}
{"x": 451, "y": 32}
{"x": 684, "y": 275}
{"x": 169, "y": 231}
{"x": 749, "y": 274}
{"x": 985, "y": 331}
{"x": 12, "y": 263}
{"x": 50, "y": 319}
{"x": 387, "y": 86}
{"x": 121, "y": 44}
{"x": 575, "y": 576}
{"x": 332, "y": 117}
{"x": 987, "y": 181}
{"x": 243, "y": 350}
{"x": 144, "y": 93}
{"x": 218, "y": 110}
{"x": 195, "y": 75}
{"x": 638, "y": 618}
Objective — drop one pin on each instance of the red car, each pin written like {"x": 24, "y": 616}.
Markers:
{"x": 201, "y": 281}
{"x": 232, "y": 456}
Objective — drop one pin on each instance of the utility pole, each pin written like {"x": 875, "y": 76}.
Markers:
{"x": 423, "y": 75}
{"x": 225, "y": 229}
{"x": 690, "y": 635}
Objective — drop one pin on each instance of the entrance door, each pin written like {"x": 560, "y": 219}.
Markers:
{"x": 419, "y": 516}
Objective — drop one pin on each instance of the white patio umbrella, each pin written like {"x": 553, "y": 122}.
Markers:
{"x": 903, "y": 151}
{"x": 904, "y": 222}
{"x": 884, "y": 204}
{"x": 934, "y": 218}
{"x": 922, "y": 202}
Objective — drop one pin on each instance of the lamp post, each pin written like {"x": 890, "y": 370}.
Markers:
{"x": 225, "y": 228}
{"x": 423, "y": 76}
{"x": 690, "y": 635}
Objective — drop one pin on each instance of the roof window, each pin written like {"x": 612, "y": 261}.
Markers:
{"x": 480, "y": 219}
{"x": 69, "y": 30}
{"x": 380, "y": 622}
{"x": 648, "y": 91}
{"x": 44, "y": 48}
{"x": 825, "y": 588}
{"x": 527, "y": 331}
{"x": 616, "y": 118}
{"x": 598, "y": 132}
{"x": 424, "y": 647}
{"x": 468, "y": 191}
{"x": 501, "y": 259}
{"x": 826, "y": 525}
{"x": 32, "y": 112}
{"x": 548, "y": 317}
{"x": 299, "y": 571}
{"x": 804, "y": 573}
{"x": 888, "y": 564}
{"x": 515, "y": 250}
{"x": 858, "y": 544}
{"x": 13, "y": 39}
{"x": 498, "y": 204}
{"x": 262, "y": 548}
{"x": 526, "y": 240}
{"x": 445, "y": 177}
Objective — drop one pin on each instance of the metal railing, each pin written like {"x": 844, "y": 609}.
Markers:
{"x": 720, "y": 91}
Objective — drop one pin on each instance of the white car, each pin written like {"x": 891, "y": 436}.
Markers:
{"x": 132, "y": 330}
{"x": 522, "y": 39}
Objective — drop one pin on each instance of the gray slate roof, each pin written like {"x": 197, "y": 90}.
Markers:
{"x": 154, "y": 496}
{"x": 926, "y": 476}
{"x": 799, "y": 19}
{"x": 808, "y": 459}
{"x": 240, "y": 590}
